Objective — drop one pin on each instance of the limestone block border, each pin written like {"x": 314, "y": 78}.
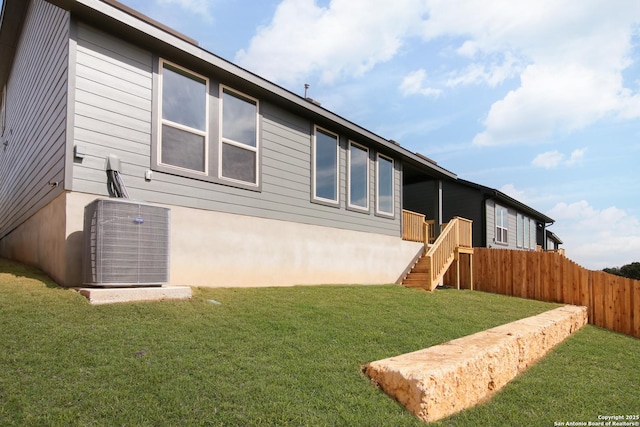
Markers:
{"x": 439, "y": 381}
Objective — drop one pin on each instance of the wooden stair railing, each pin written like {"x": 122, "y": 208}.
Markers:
{"x": 415, "y": 228}
{"x": 456, "y": 238}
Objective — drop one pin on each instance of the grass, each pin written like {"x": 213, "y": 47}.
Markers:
{"x": 274, "y": 356}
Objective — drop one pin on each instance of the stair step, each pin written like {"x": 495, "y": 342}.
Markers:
{"x": 411, "y": 281}
{"x": 424, "y": 268}
{"x": 415, "y": 284}
{"x": 419, "y": 276}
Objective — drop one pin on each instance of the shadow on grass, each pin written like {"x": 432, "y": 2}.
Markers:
{"x": 18, "y": 270}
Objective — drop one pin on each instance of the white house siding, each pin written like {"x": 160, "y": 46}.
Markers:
{"x": 36, "y": 116}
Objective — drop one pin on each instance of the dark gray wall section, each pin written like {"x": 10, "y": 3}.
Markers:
{"x": 36, "y": 117}
{"x": 465, "y": 202}
{"x": 114, "y": 99}
{"x": 419, "y": 197}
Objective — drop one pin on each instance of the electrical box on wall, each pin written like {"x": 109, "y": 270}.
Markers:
{"x": 125, "y": 244}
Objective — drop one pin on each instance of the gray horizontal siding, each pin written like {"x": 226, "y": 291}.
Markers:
{"x": 113, "y": 116}
{"x": 491, "y": 225}
{"x": 36, "y": 116}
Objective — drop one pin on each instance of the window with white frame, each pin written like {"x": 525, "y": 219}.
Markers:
{"x": 184, "y": 120}
{"x": 520, "y": 222}
{"x": 502, "y": 225}
{"x": 384, "y": 185}
{"x": 527, "y": 235}
{"x": 533, "y": 234}
{"x": 239, "y": 137}
{"x": 325, "y": 166}
{"x": 358, "y": 165}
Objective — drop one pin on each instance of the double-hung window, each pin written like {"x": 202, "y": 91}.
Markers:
{"x": 502, "y": 225}
{"x": 358, "y": 164}
{"x": 325, "y": 166}
{"x": 184, "y": 119}
{"x": 238, "y": 137}
{"x": 532, "y": 234}
{"x": 520, "y": 230}
{"x": 384, "y": 185}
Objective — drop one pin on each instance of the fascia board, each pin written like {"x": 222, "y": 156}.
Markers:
{"x": 110, "y": 14}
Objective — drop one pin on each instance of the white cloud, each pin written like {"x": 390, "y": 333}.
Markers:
{"x": 347, "y": 38}
{"x": 597, "y": 238}
{"x": 553, "y": 159}
{"x": 414, "y": 84}
{"x": 569, "y": 56}
{"x": 512, "y": 191}
{"x": 491, "y": 74}
{"x": 548, "y": 160}
{"x": 576, "y": 156}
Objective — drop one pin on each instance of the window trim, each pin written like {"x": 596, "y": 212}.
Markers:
{"x": 393, "y": 184}
{"x": 504, "y": 228}
{"x": 533, "y": 234}
{"x": 162, "y": 121}
{"x": 314, "y": 196}
{"x": 222, "y": 140}
{"x": 520, "y": 221}
{"x": 350, "y": 205}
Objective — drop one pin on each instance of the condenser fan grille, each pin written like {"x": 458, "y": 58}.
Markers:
{"x": 126, "y": 243}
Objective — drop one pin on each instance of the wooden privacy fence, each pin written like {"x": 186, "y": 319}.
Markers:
{"x": 613, "y": 302}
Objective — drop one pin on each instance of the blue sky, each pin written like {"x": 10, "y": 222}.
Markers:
{"x": 539, "y": 99}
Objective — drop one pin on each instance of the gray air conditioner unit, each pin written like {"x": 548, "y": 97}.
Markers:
{"x": 126, "y": 244}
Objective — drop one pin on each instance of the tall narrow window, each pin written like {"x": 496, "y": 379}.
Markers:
{"x": 239, "y": 146}
{"x": 325, "y": 166}
{"x": 358, "y": 176}
{"x": 533, "y": 234}
{"x": 502, "y": 228}
{"x": 520, "y": 230}
{"x": 384, "y": 199}
{"x": 183, "y": 138}
{"x": 526, "y": 232}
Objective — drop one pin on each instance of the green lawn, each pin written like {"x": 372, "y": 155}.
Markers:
{"x": 274, "y": 356}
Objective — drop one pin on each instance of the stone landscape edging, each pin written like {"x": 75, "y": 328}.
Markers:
{"x": 439, "y": 381}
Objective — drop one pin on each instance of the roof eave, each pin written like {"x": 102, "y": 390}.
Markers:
{"x": 499, "y": 195}
{"x": 110, "y": 15}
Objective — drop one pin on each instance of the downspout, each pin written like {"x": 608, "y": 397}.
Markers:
{"x": 483, "y": 230}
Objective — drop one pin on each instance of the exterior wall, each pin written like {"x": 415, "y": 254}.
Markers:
{"x": 214, "y": 249}
{"x": 40, "y": 241}
{"x": 34, "y": 154}
{"x": 462, "y": 201}
{"x": 512, "y": 227}
{"x": 113, "y": 110}
{"x": 421, "y": 197}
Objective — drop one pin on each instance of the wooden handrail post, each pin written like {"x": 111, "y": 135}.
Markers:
{"x": 425, "y": 234}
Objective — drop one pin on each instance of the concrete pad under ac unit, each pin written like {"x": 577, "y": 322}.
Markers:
{"x": 114, "y": 295}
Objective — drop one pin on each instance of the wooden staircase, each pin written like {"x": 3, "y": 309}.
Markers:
{"x": 420, "y": 274}
{"x": 429, "y": 270}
